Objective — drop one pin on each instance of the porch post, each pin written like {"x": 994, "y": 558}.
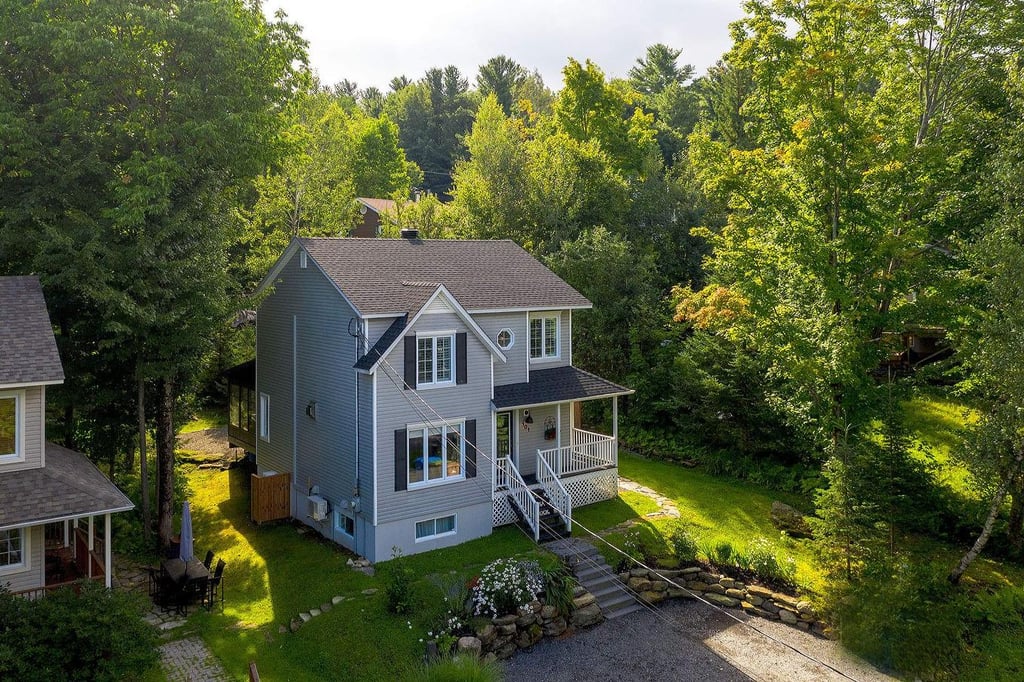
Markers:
{"x": 558, "y": 423}
{"x": 67, "y": 533}
{"x": 615, "y": 429}
{"x": 106, "y": 550}
{"x": 91, "y": 539}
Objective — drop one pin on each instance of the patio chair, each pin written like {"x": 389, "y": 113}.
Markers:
{"x": 216, "y": 583}
{"x": 208, "y": 561}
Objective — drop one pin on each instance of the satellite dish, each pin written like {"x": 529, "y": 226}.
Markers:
{"x": 362, "y": 209}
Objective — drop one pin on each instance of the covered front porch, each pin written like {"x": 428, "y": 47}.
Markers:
{"x": 55, "y": 521}
{"x": 545, "y": 464}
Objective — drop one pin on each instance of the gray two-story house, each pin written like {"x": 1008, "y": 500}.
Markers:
{"x": 421, "y": 392}
{"x": 52, "y": 499}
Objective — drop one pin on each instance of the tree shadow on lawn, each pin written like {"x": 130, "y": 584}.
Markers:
{"x": 273, "y": 572}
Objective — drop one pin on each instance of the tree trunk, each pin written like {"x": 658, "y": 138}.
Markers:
{"x": 993, "y": 513}
{"x": 165, "y": 460}
{"x": 1016, "y": 527}
{"x": 147, "y": 527}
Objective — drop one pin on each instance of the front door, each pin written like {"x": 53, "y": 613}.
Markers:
{"x": 503, "y": 430}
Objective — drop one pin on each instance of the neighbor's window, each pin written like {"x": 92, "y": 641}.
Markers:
{"x": 264, "y": 419}
{"x": 433, "y": 528}
{"x": 12, "y": 548}
{"x": 436, "y": 453}
{"x": 435, "y": 358}
{"x": 9, "y": 426}
{"x": 544, "y": 337}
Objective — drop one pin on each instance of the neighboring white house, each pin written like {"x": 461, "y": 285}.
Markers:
{"x": 419, "y": 392}
{"x": 50, "y": 497}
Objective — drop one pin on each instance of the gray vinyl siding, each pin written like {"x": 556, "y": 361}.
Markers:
{"x": 513, "y": 371}
{"x": 366, "y": 388}
{"x": 530, "y": 441}
{"x": 323, "y": 353}
{"x": 471, "y": 522}
{"x": 32, "y": 406}
{"x": 564, "y": 342}
{"x": 455, "y": 402}
{"x": 376, "y": 327}
{"x": 33, "y": 576}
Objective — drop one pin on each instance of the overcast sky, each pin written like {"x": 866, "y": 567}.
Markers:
{"x": 371, "y": 41}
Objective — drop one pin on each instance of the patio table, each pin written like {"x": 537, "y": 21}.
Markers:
{"x": 178, "y": 571}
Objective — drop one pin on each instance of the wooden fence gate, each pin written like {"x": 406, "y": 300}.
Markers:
{"x": 270, "y": 497}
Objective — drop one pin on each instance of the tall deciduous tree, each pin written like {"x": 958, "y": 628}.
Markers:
{"x": 131, "y": 126}
{"x": 845, "y": 185}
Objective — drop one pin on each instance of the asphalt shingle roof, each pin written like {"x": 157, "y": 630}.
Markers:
{"x": 383, "y": 343}
{"x": 554, "y": 386}
{"x": 28, "y": 351}
{"x": 396, "y": 276}
{"x": 69, "y": 485}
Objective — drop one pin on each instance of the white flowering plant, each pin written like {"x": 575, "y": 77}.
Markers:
{"x": 506, "y": 585}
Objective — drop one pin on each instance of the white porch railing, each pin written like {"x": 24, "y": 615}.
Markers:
{"x": 557, "y": 494}
{"x": 588, "y": 451}
{"x": 507, "y": 477}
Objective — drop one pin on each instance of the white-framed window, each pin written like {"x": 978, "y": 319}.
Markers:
{"x": 13, "y": 550}
{"x": 264, "y": 424}
{"x": 544, "y": 337}
{"x": 437, "y": 453}
{"x": 506, "y": 338}
{"x": 303, "y": 260}
{"x": 12, "y": 426}
{"x": 435, "y": 360}
{"x": 344, "y": 522}
{"x": 429, "y": 529}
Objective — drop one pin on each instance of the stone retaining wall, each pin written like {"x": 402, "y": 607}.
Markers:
{"x": 721, "y": 590}
{"x": 504, "y": 635}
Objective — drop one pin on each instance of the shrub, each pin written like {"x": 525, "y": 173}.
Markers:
{"x": 559, "y": 588}
{"x": 460, "y": 669}
{"x": 906, "y": 617}
{"x": 397, "y": 578}
{"x": 94, "y": 635}
{"x": 506, "y": 585}
{"x": 764, "y": 561}
{"x": 683, "y": 544}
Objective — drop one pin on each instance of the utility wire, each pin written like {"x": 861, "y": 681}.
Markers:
{"x": 405, "y": 388}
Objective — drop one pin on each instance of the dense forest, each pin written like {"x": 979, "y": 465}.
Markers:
{"x": 757, "y": 240}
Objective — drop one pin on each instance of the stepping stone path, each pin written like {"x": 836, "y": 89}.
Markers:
{"x": 667, "y": 509}
{"x": 307, "y": 616}
{"x": 188, "y": 660}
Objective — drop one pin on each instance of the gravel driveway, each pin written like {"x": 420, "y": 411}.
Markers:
{"x": 697, "y": 644}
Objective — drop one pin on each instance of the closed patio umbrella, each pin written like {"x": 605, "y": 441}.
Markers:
{"x": 185, "y": 551}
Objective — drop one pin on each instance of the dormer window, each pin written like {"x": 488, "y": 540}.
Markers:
{"x": 11, "y": 427}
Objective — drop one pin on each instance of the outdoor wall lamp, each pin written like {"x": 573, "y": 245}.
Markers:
{"x": 527, "y": 420}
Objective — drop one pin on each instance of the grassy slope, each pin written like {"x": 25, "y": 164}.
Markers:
{"x": 935, "y": 423}
{"x": 273, "y": 573}
{"x": 715, "y": 509}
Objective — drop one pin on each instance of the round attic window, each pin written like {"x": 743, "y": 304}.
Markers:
{"x": 506, "y": 338}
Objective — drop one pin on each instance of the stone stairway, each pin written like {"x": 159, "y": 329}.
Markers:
{"x": 594, "y": 573}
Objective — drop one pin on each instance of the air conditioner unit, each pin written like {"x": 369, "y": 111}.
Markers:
{"x": 317, "y": 507}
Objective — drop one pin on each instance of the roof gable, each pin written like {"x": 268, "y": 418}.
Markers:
{"x": 385, "y": 277}
{"x": 394, "y": 333}
{"x": 28, "y": 351}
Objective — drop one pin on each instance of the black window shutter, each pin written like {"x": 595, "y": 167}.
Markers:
{"x": 460, "y": 358}
{"x": 401, "y": 461}
{"x": 471, "y": 448}
{"x": 410, "y": 362}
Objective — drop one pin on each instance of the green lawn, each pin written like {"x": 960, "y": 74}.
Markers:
{"x": 713, "y": 509}
{"x": 207, "y": 418}
{"x": 935, "y": 423}
{"x": 273, "y": 573}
